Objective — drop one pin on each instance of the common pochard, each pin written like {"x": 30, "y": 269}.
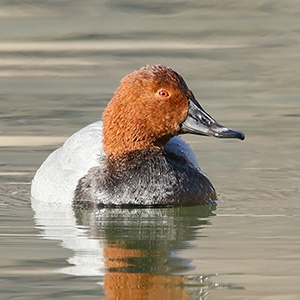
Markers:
{"x": 135, "y": 157}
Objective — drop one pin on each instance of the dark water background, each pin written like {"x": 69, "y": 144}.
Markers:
{"x": 60, "y": 62}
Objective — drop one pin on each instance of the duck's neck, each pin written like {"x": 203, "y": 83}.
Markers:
{"x": 118, "y": 144}
{"x": 132, "y": 158}
{"x": 120, "y": 137}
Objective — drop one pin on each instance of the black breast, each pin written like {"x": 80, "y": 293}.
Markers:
{"x": 144, "y": 178}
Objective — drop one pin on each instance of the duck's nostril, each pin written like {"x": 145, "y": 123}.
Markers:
{"x": 205, "y": 121}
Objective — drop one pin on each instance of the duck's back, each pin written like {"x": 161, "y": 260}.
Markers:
{"x": 57, "y": 178}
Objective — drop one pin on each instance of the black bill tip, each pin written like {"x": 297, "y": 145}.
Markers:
{"x": 227, "y": 133}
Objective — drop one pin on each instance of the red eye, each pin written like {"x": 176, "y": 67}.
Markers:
{"x": 163, "y": 93}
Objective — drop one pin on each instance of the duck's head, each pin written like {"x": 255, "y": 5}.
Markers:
{"x": 150, "y": 106}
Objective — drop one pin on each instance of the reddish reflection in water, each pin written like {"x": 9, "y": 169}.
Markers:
{"x": 124, "y": 285}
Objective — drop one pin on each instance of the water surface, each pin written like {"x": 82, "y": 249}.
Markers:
{"x": 60, "y": 63}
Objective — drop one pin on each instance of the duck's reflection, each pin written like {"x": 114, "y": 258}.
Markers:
{"x": 135, "y": 250}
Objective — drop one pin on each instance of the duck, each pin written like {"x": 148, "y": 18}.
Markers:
{"x": 135, "y": 156}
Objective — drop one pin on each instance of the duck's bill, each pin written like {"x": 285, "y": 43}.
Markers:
{"x": 200, "y": 122}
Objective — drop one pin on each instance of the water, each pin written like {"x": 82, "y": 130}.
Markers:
{"x": 59, "y": 65}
